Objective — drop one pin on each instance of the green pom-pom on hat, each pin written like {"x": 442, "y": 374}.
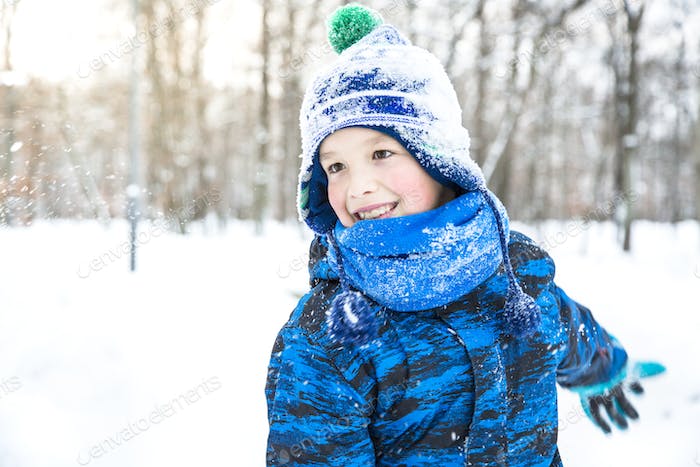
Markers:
{"x": 349, "y": 24}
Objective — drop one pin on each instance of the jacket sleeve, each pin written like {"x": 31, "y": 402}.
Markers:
{"x": 591, "y": 355}
{"x": 316, "y": 417}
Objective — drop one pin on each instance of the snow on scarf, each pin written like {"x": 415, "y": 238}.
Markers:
{"x": 423, "y": 260}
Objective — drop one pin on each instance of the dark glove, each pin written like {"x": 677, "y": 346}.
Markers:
{"x": 612, "y": 395}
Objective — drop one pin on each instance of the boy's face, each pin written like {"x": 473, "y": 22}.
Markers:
{"x": 372, "y": 176}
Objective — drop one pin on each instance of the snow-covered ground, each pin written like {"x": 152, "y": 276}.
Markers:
{"x": 167, "y": 366}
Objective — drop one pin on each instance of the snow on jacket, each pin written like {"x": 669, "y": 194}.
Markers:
{"x": 436, "y": 386}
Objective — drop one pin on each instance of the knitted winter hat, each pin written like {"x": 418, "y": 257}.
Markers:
{"x": 381, "y": 81}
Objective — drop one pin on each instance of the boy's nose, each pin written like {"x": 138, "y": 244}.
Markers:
{"x": 361, "y": 183}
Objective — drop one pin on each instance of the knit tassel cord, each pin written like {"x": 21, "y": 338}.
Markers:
{"x": 350, "y": 318}
{"x": 522, "y": 314}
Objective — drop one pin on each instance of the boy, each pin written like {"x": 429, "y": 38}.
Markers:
{"x": 432, "y": 336}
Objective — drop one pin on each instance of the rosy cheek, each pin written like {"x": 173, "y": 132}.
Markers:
{"x": 421, "y": 199}
{"x": 336, "y": 198}
{"x": 411, "y": 191}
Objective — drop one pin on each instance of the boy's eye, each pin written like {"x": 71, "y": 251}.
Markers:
{"x": 383, "y": 154}
{"x": 335, "y": 167}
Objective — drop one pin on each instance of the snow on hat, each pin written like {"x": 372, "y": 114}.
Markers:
{"x": 381, "y": 81}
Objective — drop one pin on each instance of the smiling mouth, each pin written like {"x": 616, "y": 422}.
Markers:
{"x": 378, "y": 212}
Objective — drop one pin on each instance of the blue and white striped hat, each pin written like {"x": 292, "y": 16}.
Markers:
{"x": 383, "y": 82}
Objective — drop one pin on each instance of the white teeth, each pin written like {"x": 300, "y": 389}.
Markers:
{"x": 374, "y": 213}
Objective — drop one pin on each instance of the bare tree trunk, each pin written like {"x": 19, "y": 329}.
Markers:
{"x": 8, "y": 125}
{"x": 157, "y": 163}
{"x": 263, "y": 131}
{"x": 631, "y": 136}
{"x": 626, "y": 92}
{"x": 289, "y": 126}
{"x": 542, "y": 161}
{"x": 224, "y": 165}
{"x": 697, "y": 181}
{"x": 206, "y": 190}
{"x": 178, "y": 187}
{"x": 696, "y": 166}
{"x": 478, "y": 136}
{"x": 674, "y": 181}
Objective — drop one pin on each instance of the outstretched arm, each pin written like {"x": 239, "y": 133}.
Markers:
{"x": 592, "y": 356}
{"x": 596, "y": 367}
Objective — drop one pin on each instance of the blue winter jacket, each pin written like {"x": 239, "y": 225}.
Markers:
{"x": 442, "y": 387}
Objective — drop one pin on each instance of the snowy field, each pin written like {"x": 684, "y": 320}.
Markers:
{"x": 167, "y": 366}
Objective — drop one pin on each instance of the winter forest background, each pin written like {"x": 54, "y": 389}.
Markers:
{"x": 182, "y": 116}
{"x": 576, "y": 109}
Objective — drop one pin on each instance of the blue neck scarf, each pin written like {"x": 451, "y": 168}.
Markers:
{"x": 424, "y": 260}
